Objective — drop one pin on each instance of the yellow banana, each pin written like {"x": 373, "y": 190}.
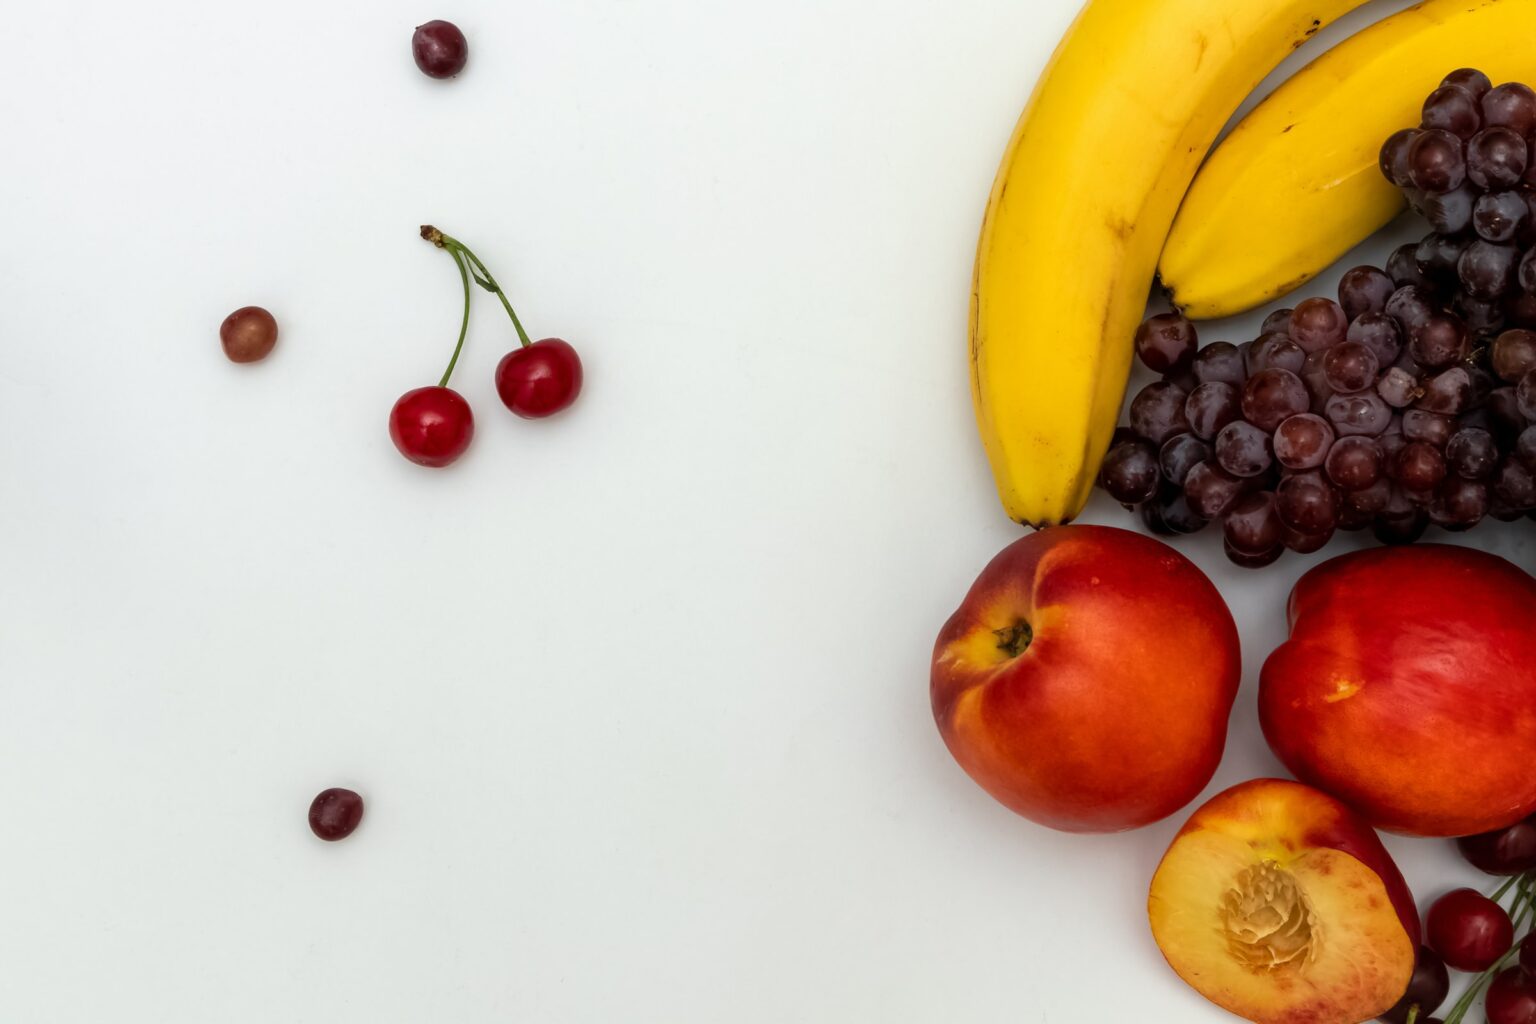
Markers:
{"x": 1119, "y": 121}
{"x": 1296, "y": 184}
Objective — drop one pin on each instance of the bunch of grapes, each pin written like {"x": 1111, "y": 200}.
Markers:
{"x": 1409, "y": 401}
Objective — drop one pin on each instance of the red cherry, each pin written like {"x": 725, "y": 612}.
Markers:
{"x": 335, "y": 813}
{"x": 1512, "y": 997}
{"x": 1509, "y": 851}
{"x": 440, "y": 49}
{"x": 431, "y": 426}
{"x": 1469, "y": 930}
{"x": 1528, "y": 953}
{"x": 539, "y": 379}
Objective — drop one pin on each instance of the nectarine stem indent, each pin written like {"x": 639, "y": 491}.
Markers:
{"x": 1014, "y": 640}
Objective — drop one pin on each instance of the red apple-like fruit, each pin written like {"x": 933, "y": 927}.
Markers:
{"x": 1408, "y": 688}
{"x": 1086, "y": 679}
{"x": 1276, "y": 902}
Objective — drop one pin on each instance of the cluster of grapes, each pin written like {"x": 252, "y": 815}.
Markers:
{"x": 1406, "y": 402}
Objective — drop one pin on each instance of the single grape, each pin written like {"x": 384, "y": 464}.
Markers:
{"x": 1247, "y": 561}
{"x": 1302, "y": 441}
{"x": 1513, "y": 353}
{"x": 1487, "y": 270}
{"x": 1439, "y": 341}
{"x": 1483, "y": 317}
{"x": 1211, "y": 490}
{"x": 1271, "y": 395}
{"x": 1398, "y": 388}
{"x": 1496, "y": 158}
{"x": 1157, "y": 412}
{"x": 1317, "y": 323}
{"x": 1511, "y": 997}
{"x": 1368, "y": 500}
{"x": 1439, "y": 256}
{"x": 1417, "y": 466}
{"x": 1499, "y": 216}
{"x": 1449, "y": 213}
{"x": 1275, "y": 350}
{"x": 1278, "y": 322}
{"x": 1350, "y": 366}
{"x": 1151, "y": 513}
{"x": 439, "y": 49}
{"x": 1427, "y": 989}
{"x": 1525, "y": 395}
{"x": 1361, "y": 413}
{"x": 1459, "y": 504}
{"x": 1179, "y": 454}
{"x": 1512, "y": 105}
{"x": 1166, "y": 341}
{"x": 1515, "y": 485}
{"x": 1453, "y": 109}
{"x": 1394, "y": 157}
{"x": 1448, "y": 392}
{"x": 1305, "y": 543}
{"x": 1173, "y": 511}
{"x": 1468, "y": 930}
{"x": 1505, "y": 851}
{"x": 335, "y": 813}
{"x": 1252, "y": 526}
{"x": 1220, "y": 361}
{"x": 1212, "y": 406}
{"x": 1130, "y": 472}
{"x": 1411, "y": 305}
{"x": 1380, "y": 333}
{"x": 1243, "y": 450}
{"x": 1429, "y": 427}
{"x": 1364, "y": 290}
{"x": 1403, "y": 265}
{"x": 1356, "y": 462}
{"x": 1477, "y": 83}
{"x": 1307, "y": 503}
{"x": 1400, "y": 528}
{"x": 1472, "y": 454}
{"x": 1436, "y": 162}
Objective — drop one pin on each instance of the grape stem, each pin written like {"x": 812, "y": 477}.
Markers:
{"x": 1521, "y": 909}
{"x": 471, "y": 266}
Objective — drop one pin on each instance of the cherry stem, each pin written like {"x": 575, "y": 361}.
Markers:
{"x": 458, "y": 347}
{"x": 474, "y": 266}
{"x": 1520, "y": 908}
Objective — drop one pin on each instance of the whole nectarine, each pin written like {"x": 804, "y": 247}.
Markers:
{"x": 1278, "y": 903}
{"x": 1086, "y": 679}
{"x": 1408, "y": 688}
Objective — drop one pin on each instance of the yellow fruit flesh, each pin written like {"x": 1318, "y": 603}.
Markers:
{"x": 1120, "y": 119}
{"x": 1279, "y": 936}
{"x": 1296, "y": 184}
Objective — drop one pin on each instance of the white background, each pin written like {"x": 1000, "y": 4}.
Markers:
{"x": 637, "y": 696}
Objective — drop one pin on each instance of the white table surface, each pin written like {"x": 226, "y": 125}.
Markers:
{"x": 637, "y": 696}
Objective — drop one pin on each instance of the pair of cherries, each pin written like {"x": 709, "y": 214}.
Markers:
{"x": 433, "y": 426}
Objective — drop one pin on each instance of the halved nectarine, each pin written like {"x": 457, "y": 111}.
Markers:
{"x": 1278, "y": 904}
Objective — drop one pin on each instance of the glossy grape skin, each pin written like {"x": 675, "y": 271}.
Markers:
{"x": 1275, "y": 350}
{"x": 1439, "y": 255}
{"x": 1304, "y": 543}
{"x": 1427, "y": 989}
{"x": 1398, "y": 388}
{"x": 1277, "y": 322}
{"x": 1362, "y": 413}
{"x": 1499, "y": 216}
{"x": 1513, "y": 354}
{"x": 1179, "y": 454}
{"x": 1251, "y": 561}
{"x": 1393, "y": 159}
{"x": 440, "y": 49}
{"x": 1403, "y": 266}
{"x": 1448, "y": 392}
{"x": 1379, "y": 333}
{"x": 1157, "y": 412}
{"x": 1211, "y": 490}
{"x": 1459, "y": 504}
{"x": 1307, "y": 503}
{"x": 1439, "y": 341}
{"x": 1505, "y": 851}
{"x": 1303, "y": 441}
{"x": 1220, "y": 361}
{"x": 1488, "y": 270}
{"x": 1436, "y": 162}
{"x": 1496, "y": 158}
{"x": 1472, "y": 454}
{"x": 1212, "y": 406}
{"x": 1454, "y": 109}
{"x": 1411, "y": 306}
{"x": 1468, "y": 930}
{"x": 1243, "y": 450}
{"x": 1483, "y": 317}
{"x": 1252, "y": 526}
{"x": 1355, "y": 463}
{"x": 1417, "y": 466}
{"x": 1512, "y": 105}
{"x": 1363, "y": 290}
{"x": 1515, "y": 485}
{"x": 1166, "y": 341}
{"x": 1173, "y": 512}
{"x": 1430, "y": 427}
{"x": 1475, "y": 82}
{"x": 1350, "y": 366}
{"x": 1317, "y": 323}
{"x": 1130, "y": 473}
{"x": 1271, "y": 395}
{"x": 1450, "y": 213}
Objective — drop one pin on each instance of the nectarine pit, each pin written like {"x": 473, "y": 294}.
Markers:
{"x": 1269, "y": 923}
{"x": 1014, "y": 640}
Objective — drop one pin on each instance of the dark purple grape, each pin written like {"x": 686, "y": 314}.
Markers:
{"x": 1525, "y": 448}
{"x": 1483, "y": 317}
{"x": 1516, "y": 485}
{"x": 1505, "y": 851}
{"x": 1130, "y": 472}
{"x": 1401, "y": 528}
{"x": 1364, "y": 290}
{"x": 1252, "y": 525}
{"x": 1356, "y": 462}
{"x": 1499, "y": 216}
{"x": 1151, "y": 513}
{"x": 1398, "y": 388}
{"x": 1173, "y": 511}
{"x": 1411, "y": 305}
{"x": 1379, "y": 333}
{"x": 1317, "y": 323}
{"x": 1403, "y": 264}
{"x": 1429, "y": 427}
{"x": 1459, "y": 504}
{"x": 1477, "y": 83}
{"x": 1525, "y": 395}
{"x": 1179, "y": 453}
{"x": 1306, "y": 543}
{"x": 1504, "y": 409}
{"x": 1439, "y": 341}
{"x": 1439, "y": 255}
{"x": 1244, "y": 560}
{"x": 1520, "y": 308}
{"x": 1243, "y": 450}
{"x": 1275, "y": 350}
{"x": 1513, "y": 354}
{"x": 1350, "y": 366}
{"x": 1220, "y": 361}
{"x": 1427, "y": 989}
{"x": 1211, "y": 490}
{"x": 1166, "y": 341}
{"x": 1302, "y": 441}
{"x": 1453, "y": 109}
{"x": 1417, "y": 466}
{"x": 1450, "y": 212}
{"x": 1448, "y": 392}
{"x": 1525, "y": 273}
{"x": 1362, "y": 413}
{"x": 1278, "y": 322}
{"x": 1496, "y": 158}
{"x": 439, "y": 49}
{"x": 335, "y": 814}
{"x": 1436, "y": 162}
{"x": 1212, "y": 406}
{"x": 1487, "y": 271}
{"x": 1394, "y": 157}
{"x": 1157, "y": 412}
{"x": 1512, "y": 105}
{"x": 1368, "y": 500}
{"x": 1182, "y": 377}
{"x": 1271, "y": 395}
{"x": 1472, "y": 454}
{"x": 1307, "y": 503}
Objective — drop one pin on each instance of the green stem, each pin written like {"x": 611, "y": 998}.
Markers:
{"x": 1522, "y": 907}
{"x": 1499, "y": 893}
{"x": 458, "y": 347}
{"x": 483, "y": 277}
{"x": 1413, "y": 1014}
